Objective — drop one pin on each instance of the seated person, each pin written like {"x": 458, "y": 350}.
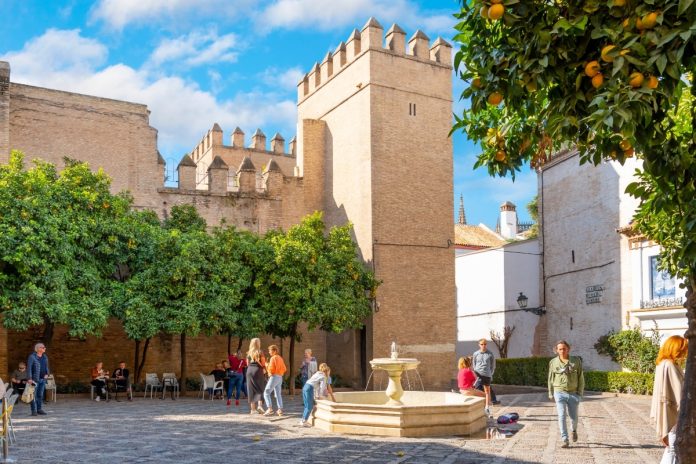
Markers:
{"x": 466, "y": 378}
{"x": 219, "y": 374}
{"x": 19, "y": 378}
{"x": 99, "y": 377}
{"x": 121, "y": 375}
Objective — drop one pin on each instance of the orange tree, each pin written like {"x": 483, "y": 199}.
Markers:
{"x": 613, "y": 78}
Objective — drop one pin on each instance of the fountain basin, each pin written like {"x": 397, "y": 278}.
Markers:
{"x": 421, "y": 414}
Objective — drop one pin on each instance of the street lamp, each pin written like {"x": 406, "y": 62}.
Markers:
{"x": 522, "y": 301}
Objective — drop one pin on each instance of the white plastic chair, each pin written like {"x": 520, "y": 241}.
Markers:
{"x": 51, "y": 386}
{"x": 169, "y": 380}
{"x": 208, "y": 383}
{"x": 152, "y": 382}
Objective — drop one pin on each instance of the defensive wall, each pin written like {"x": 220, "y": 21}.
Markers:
{"x": 372, "y": 148}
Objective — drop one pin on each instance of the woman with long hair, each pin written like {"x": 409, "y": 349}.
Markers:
{"x": 667, "y": 393}
{"x": 256, "y": 376}
{"x": 466, "y": 378}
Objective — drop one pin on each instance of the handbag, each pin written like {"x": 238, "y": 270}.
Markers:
{"x": 28, "y": 395}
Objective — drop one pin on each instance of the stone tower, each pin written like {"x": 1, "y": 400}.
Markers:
{"x": 373, "y": 149}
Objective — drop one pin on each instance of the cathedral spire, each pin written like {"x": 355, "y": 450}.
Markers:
{"x": 462, "y": 214}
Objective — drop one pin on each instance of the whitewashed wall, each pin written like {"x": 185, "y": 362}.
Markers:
{"x": 489, "y": 281}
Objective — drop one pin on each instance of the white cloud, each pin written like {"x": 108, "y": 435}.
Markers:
{"x": 117, "y": 14}
{"x": 329, "y": 14}
{"x": 180, "y": 109}
{"x": 287, "y": 79}
{"x": 196, "y": 48}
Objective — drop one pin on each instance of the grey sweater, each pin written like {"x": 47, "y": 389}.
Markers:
{"x": 484, "y": 363}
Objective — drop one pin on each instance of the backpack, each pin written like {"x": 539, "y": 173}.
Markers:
{"x": 509, "y": 418}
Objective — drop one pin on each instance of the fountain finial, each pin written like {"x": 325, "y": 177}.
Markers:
{"x": 394, "y": 352}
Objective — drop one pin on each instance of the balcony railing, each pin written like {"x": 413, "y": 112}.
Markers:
{"x": 661, "y": 302}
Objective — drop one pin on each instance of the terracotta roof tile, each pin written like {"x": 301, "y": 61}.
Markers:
{"x": 478, "y": 236}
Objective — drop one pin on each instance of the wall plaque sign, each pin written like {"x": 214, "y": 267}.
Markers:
{"x": 593, "y": 294}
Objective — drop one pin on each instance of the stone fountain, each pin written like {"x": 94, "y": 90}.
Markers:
{"x": 397, "y": 413}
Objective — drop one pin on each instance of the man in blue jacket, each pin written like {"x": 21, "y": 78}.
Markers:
{"x": 37, "y": 372}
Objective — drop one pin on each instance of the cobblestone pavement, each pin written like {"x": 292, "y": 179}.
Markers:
{"x": 188, "y": 430}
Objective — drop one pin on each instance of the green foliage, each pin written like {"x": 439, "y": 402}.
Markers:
{"x": 73, "y": 387}
{"x": 619, "y": 382}
{"x": 631, "y": 349}
{"x": 534, "y": 372}
{"x": 535, "y": 57}
{"x": 58, "y": 245}
{"x": 522, "y": 371}
{"x": 533, "y": 209}
{"x": 193, "y": 384}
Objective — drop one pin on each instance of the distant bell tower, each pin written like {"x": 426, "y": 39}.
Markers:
{"x": 373, "y": 148}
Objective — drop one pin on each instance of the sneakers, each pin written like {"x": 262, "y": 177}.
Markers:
{"x": 98, "y": 398}
{"x": 269, "y": 412}
{"x": 229, "y": 402}
{"x": 496, "y": 402}
{"x": 304, "y": 423}
{"x": 34, "y": 413}
{"x": 236, "y": 402}
{"x": 565, "y": 444}
{"x": 260, "y": 410}
{"x": 41, "y": 412}
{"x": 279, "y": 412}
{"x": 575, "y": 436}
{"x": 487, "y": 411}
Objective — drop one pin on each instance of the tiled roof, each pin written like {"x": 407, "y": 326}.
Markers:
{"x": 476, "y": 236}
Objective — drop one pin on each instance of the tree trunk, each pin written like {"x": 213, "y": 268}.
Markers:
{"x": 48, "y": 332}
{"x": 141, "y": 366}
{"x": 686, "y": 425}
{"x": 136, "y": 362}
{"x": 182, "y": 384}
{"x": 239, "y": 345}
{"x": 291, "y": 360}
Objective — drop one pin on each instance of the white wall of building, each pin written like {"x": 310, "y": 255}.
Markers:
{"x": 488, "y": 284}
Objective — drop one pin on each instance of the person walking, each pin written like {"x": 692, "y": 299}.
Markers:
{"x": 667, "y": 393}
{"x": 276, "y": 370}
{"x": 318, "y": 381}
{"x": 566, "y": 387}
{"x": 484, "y": 367}
{"x": 37, "y": 373}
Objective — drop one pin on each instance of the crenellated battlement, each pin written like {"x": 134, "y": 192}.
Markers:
{"x": 218, "y": 168}
{"x": 372, "y": 37}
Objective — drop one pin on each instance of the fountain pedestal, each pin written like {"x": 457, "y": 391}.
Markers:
{"x": 395, "y": 367}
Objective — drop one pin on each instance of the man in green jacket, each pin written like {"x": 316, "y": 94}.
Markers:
{"x": 566, "y": 387}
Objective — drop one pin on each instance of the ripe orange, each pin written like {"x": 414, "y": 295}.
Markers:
{"x": 500, "y": 155}
{"x": 597, "y": 81}
{"x": 639, "y": 24}
{"x": 476, "y": 83}
{"x": 592, "y": 68}
{"x": 624, "y": 52}
{"x": 629, "y": 153}
{"x": 652, "y": 82}
{"x": 496, "y": 11}
{"x": 625, "y": 23}
{"x": 635, "y": 80}
{"x": 613, "y": 154}
{"x": 625, "y": 145}
{"x": 605, "y": 53}
{"x": 495, "y": 98}
{"x": 484, "y": 11}
{"x": 649, "y": 20}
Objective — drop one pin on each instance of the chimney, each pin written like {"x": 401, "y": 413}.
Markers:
{"x": 273, "y": 178}
{"x": 216, "y": 135}
{"x": 278, "y": 144}
{"x": 246, "y": 176}
{"x": 508, "y": 220}
{"x": 292, "y": 146}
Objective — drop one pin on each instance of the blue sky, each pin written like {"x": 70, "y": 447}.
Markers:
{"x": 234, "y": 62}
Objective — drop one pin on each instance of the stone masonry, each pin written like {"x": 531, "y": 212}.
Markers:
{"x": 372, "y": 148}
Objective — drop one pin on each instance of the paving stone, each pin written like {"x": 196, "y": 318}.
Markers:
{"x": 189, "y": 430}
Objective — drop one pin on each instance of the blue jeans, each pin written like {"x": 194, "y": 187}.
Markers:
{"x": 308, "y": 398}
{"x": 275, "y": 384}
{"x": 234, "y": 384}
{"x": 37, "y": 403}
{"x": 567, "y": 402}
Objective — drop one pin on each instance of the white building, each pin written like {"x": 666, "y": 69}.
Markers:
{"x": 490, "y": 275}
{"x": 595, "y": 279}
